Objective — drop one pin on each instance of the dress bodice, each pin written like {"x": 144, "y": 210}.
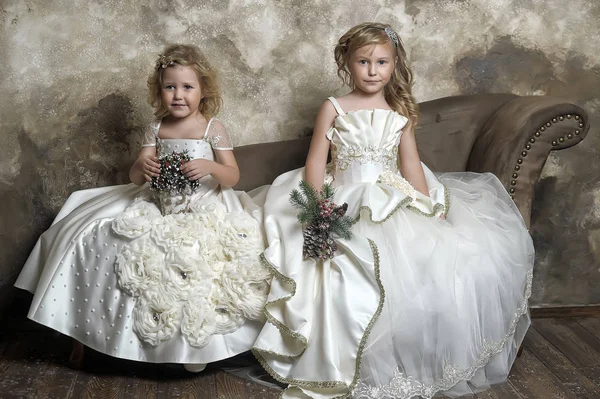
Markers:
{"x": 364, "y": 144}
{"x": 215, "y": 138}
{"x": 196, "y": 148}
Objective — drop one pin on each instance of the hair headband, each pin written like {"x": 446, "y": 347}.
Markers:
{"x": 389, "y": 32}
{"x": 163, "y": 62}
{"x": 392, "y": 35}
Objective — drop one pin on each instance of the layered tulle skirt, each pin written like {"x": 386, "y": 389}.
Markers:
{"x": 412, "y": 305}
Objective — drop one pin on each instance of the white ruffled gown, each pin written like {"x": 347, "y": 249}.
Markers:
{"x": 118, "y": 276}
{"x": 412, "y": 305}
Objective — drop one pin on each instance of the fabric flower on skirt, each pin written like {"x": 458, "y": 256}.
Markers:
{"x": 228, "y": 317}
{"x": 185, "y": 271}
{"x": 198, "y": 324}
{"x": 240, "y": 235}
{"x": 207, "y": 242}
{"x": 156, "y": 315}
{"x": 173, "y": 231}
{"x": 138, "y": 266}
{"x": 247, "y": 292}
{"x": 137, "y": 220}
{"x": 210, "y": 213}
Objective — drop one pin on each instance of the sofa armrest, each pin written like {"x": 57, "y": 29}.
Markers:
{"x": 517, "y": 139}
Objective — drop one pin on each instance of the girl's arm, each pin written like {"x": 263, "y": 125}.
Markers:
{"x": 224, "y": 170}
{"x": 410, "y": 163}
{"x": 145, "y": 166}
{"x": 319, "y": 146}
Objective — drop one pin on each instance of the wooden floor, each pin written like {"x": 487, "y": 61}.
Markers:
{"x": 561, "y": 360}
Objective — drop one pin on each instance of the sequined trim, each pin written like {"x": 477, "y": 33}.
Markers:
{"x": 406, "y": 387}
{"x": 363, "y": 342}
{"x": 322, "y": 384}
{"x": 437, "y": 207}
{"x": 389, "y": 215}
{"x": 293, "y": 381}
{"x": 270, "y": 318}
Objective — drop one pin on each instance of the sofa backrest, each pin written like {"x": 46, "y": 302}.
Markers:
{"x": 445, "y": 134}
{"x": 449, "y": 126}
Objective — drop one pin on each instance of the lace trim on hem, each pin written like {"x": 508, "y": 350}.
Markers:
{"x": 323, "y": 384}
{"x": 402, "y": 387}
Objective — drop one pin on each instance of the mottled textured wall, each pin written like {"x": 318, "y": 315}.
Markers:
{"x": 73, "y": 105}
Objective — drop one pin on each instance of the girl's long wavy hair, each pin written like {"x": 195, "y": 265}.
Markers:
{"x": 191, "y": 56}
{"x": 398, "y": 91}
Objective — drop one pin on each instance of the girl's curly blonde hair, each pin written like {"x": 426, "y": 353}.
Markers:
{"x": 191, "y": 56}
{"x": 398, "y": 91}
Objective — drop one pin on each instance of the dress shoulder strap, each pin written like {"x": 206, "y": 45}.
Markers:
{"x": 336, "y": 105}
{"x": 156, "y": 127}
{"x": 207, "y": 127}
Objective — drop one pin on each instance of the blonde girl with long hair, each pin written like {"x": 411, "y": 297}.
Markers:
{"x": 429, "y": 295}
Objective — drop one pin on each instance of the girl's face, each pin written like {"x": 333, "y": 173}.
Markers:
{"x": 181, "y": 91}
{"x": 371, "y": 67}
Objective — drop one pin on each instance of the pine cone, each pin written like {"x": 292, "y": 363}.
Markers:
{"x": 341, "y": 210}
{"x": 318, "y": 243}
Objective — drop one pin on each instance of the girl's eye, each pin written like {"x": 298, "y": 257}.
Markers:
{"x": 169, "y": 87}
{"x": 188, "y": 87}
{"x": 382, "y": 62}
{"x": 362, "y": 62}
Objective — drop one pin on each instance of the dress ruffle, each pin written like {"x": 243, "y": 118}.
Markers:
{"x": 322, "y": 315}
{"x": 390, "y": 192}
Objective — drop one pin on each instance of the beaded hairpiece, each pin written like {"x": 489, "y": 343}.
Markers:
{"x": 163, "y": 62}
{"x": 392, "y": 35}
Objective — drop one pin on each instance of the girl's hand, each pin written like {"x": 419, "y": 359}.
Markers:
{"x": 145, "y": 166}
{"x": 148, "y": 166}
{"x": 197, "y": 168}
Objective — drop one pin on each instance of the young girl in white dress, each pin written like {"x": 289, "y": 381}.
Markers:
{"x": 159, "y": 276}
{"x": 430, "y": 294}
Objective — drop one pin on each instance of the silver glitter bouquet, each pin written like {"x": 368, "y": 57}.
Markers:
{"x": 172, "y": 185}
{"x": 321, "y": 219}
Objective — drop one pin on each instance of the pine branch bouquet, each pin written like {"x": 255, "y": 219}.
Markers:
{"x": 321, "y": 219}
{"x": 171, "y": 179}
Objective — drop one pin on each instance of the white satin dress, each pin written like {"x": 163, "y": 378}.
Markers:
{"x": 412, "y": 305}
{"x": 122, "y": 278}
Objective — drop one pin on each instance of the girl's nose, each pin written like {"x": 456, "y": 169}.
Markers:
{"x": 372, "y": 70}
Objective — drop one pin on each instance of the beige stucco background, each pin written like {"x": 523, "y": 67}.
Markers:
{"x": 74, "y": 106}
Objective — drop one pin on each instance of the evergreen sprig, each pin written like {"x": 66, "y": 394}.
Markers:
{"x": 321, "y": 219}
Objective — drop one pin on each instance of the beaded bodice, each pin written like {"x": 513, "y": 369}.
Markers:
{"x": 364, "y": 144}
{"x": 215, "y": 138}
{"x": 196, "y": 148}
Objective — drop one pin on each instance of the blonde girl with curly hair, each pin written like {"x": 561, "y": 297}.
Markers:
{"x": 424, "y": 298}
{"x": 165, "y": 270}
